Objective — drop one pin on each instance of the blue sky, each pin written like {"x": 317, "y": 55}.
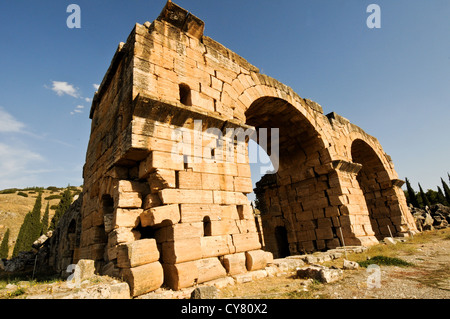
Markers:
{"x": 394, "y": 82}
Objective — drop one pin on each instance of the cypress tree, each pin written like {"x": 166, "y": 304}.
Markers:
{"x": 446, "y": 190}
{"x": 441, "y": 197}
{"x": 424, "y": 197}
{"x": 411, "y": 194}
{"x": 23, "y": 235}
{"x": 30, "y": 229}
{"x": 36, "y": 226}
{"x": 63, "y": 206}
{"x": 45, "y": 219}
{"x": 4, "y": 248}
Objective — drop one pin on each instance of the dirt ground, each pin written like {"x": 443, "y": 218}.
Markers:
{"x": 428, "y": 278}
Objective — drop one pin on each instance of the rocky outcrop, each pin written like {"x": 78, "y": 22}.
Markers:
{"x": 433, "y": 217}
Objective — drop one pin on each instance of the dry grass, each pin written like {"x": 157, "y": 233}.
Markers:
{"x": 14, "y": 207}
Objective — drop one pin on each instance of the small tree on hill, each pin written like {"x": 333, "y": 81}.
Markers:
{"x": 63, "y": 206}
{"x": 411, "y": 194}
{"x": 4, "y": 248}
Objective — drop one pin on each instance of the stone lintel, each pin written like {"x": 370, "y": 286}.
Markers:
{"x": 398, "y": 182}
{"x": 347, "y": 166}
{"x": 149, "y": 107}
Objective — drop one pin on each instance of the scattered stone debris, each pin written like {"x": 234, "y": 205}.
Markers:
{"x": 350, "y": 265}
{"x": 321, "y": 273}
{"x": 206, "y": 292}
{"x": 430, "y": 218}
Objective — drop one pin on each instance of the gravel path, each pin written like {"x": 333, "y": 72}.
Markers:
{"x": 428, "y": 279}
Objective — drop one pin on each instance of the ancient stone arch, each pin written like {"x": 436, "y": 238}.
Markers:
{"x": 165, "y": 182}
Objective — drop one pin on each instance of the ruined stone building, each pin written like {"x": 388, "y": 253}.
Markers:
{"x": 163, "y": 205}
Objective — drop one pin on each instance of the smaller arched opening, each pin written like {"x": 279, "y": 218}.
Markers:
{"x": 376, "y": 186}
{"x": 185, "y": 94}
{"x": 207, "y": 231}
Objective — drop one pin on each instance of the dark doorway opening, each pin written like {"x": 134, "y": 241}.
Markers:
{"x": 282, "y": 242}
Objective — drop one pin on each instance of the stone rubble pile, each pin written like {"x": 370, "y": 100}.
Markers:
{"x": 434, "y": 217}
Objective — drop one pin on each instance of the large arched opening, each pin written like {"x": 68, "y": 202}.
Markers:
{"x": 294, "y": 197}
{"x": 376, "y": 186}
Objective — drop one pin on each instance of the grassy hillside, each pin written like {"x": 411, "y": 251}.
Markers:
{"x": 16, "y": 203}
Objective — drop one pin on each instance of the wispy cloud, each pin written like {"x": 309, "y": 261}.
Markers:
{"x": 15, "y": 161}
{"x": 8, "y": 124}
{"x": 62, "y": 88}
{"x": 78, "y": 109}
{"x": 96, "y": 86}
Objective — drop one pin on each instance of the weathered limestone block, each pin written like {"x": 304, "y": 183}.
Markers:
{"x": 143, "y": 279}
{"x": 180, "y": 251}
{"x": 223, "y": 227}
{"x": 137, "y": 253}
{"x": 246, "y": 242}
{"x": 234, "y": 264}
{"x": 122, "y": 235}
{"x": 190, "y": 180}
{"x": 257, "y": 259}
{"x": 179, "y": 231}
{"x": 169, "y": 214}
{"x": 197, "y": 212}
{"x": 245, "y": 212}
{"x": 161, "y": 179}
{"x": 217, "y": 182}
{"x": 324, "y": 233}
{"x": 132, "y": 186}
{"x": 182, "y": 275}
{"x": 160, "y": 160}
{"x": 209, "y": 269}
{"x": 213, "y": 246}
{"x": 126, "y": 217}
{"x": 243, "y": 185}
{"x": 151, "y": 200}
{"x": 177, "y": 196}
{"x": 129, "y": 200}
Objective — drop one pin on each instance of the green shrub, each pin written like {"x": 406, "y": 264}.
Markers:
{"x": 9, "y": 191}
{"x": 386, "y": 261}
{"x": 53, "y": 197}
{"x": 22, "y": 194}
{"x": 53, "y": 189}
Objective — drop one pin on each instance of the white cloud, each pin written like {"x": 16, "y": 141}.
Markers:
{"x": 16, "y": 165}
{"x": 62, "y": 88}
{"x": 9, "y": 124}
{"x": 78, "y": 109}
{"x": 88, "y": 100}
{"x": 96, "y": 86}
